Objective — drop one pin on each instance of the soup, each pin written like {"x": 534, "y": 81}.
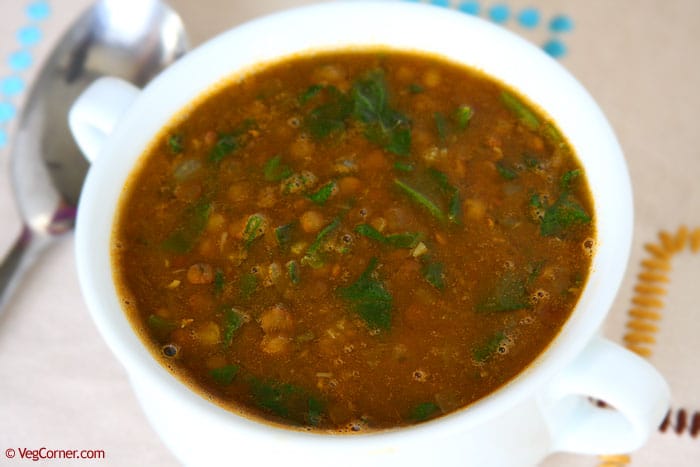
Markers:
{"x": 353, "y": 241}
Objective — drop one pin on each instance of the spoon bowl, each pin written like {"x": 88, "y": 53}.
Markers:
{"x": 130, "y": 39}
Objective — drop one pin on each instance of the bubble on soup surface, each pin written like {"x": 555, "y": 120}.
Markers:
{"x": 170, "y": 350}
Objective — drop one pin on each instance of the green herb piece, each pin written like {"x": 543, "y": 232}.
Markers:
{"x": 254, "y": 228}
{"x": 176, "y": 143}
{"x": 414, "y": 88}
{"x": 563, "y": 214}
{"x": 531, "y": 162}
{"x": 463, "y": 116}
{"x": 232, "y": 322}
{"x": 520, "y": 110}
{"x": 293, "y": 272}
{"x": 454, "y": 205}
{"x": 322, "y": 194}
{"x": 454, "y": 208}
{"x": 312, "y": 257}
{"x": 424, "y": 411}
{"x": 225, "y": 145}
{"x": 400, "y": 240}
{"x": 488, "y": 348}
{"x": 329, "y": 117}
{"x": 160, "y": 326}
{"x": 228, "y": 143}
{"x": 310, "y": 93}
{"x": 421, "y": 199}
{"x": 316, "y": 409}
{"x": 552, "y": 133}
{"x": 224, "y": 375}
{"x": 219, "y": 282}
{"x": 273, "y": 396}
{"x": 369, "y": 299}
{"x": 383, "y": 125}
{"x": 441, "y": 125}
{"x": 569, "y": 178}
{"x": 403, "y": 166}
{"x": 248, "y": 284}
{"x": 433, "y": 272}
{"x": 192, "y": 223}
{"x": 288, "y": 401}
{"x": 506, "y": 172}
{"x": 404, "y": 240}
{"x": 509, "y": 294}
{"x": 370, "y": 232}
{"x": 283, "y": 234}
{"x": 274, "y": 170}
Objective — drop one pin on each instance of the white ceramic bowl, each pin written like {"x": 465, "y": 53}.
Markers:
{"x": 544, "y": 409}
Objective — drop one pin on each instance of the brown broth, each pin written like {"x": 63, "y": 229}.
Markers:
{"x": 436, "y": 270}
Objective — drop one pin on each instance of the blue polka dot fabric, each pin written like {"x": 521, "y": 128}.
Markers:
{"x": 519, "y": 19}
{"x": 19, "y": 61}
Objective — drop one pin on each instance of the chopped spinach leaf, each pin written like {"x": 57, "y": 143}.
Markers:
{"x": 421, "y": 199}
{"x": 288, "y": 401}
{"x": 564, "y": 213}
{"x": 414, "y": 88}
{"x": 310, "y": 93}
{"x": 293, "y": 272}
{"x": 312, "y": 257}
{"x": 316, "y": 409}
{"x": 248, "y": 284}
{"x": 462, "y": 116}
{"x": 274, "y": 170}
{"x": 424, "y": 411}
{"x": 384, "y": 126}
{"x": 225, "y": 374}
{"x": 505, "y": 171}
{"x": 403, "y": 166}
{"x": 569, "y": 178}
{"x": 370, "y": 232}
{"x": 441, "y": 125}
{"x": 176, "y": 143}
{"x": 161, "y": 326}
{"x": 228, "y": 143}
{"x": 520, "y": 110}
{"x": 232, "y": 322}
{"x": 283, "y": 234}
{"x": 330, "y": 116}
{"x": 369, "y": 298}
{"x": 454, "y": 205}
{"x": 433, "y": 272}
{"x": 194, "y": 220}
{"x": 322, "y": 194}
{"x": 219, "y": 282}
{"x": 254, "y": 228}
{"x": 509, "y": 294}
{"x": 400, "y": 240}
{"x": 225, "y": 145}
{"x": 488, "y": 348}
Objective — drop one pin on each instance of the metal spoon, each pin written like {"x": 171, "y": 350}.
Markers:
{"x": 131, "y": 39}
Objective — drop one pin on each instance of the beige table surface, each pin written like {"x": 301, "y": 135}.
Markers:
{"x": 61, "y": 388}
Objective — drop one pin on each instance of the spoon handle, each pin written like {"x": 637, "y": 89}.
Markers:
{"x": 17, "y": 262}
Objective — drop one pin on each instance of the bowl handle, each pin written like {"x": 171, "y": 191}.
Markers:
{"x": 636, "y": 395}
{"x": 96, "y": 112}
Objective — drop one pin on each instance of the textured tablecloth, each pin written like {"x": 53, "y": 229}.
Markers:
{"x": 61, "y": 388}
